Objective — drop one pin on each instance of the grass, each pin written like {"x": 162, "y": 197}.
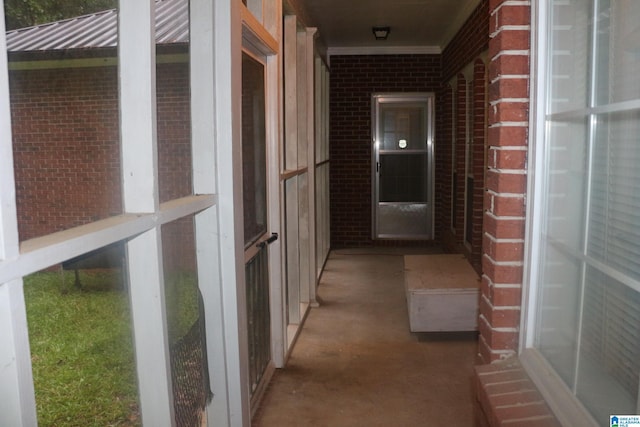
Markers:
{"x": 181, "y": 295}
{"x": 82, "y": 354}
{"x": 82, "y": 345}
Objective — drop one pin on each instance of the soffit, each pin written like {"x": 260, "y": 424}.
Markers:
{"x": 347, "y": 24}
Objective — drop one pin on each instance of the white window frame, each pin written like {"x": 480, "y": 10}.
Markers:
{"x": 568, "y": 410}
{"x": 566, "y": 407}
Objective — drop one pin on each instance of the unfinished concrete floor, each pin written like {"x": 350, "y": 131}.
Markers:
{"x": 357, "y": 364}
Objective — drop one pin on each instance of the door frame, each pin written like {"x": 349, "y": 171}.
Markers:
{"x": 260, "y": 44}
{"x": 403, "y": 97}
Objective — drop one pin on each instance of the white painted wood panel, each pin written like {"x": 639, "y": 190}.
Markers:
{"x": 228, "y": 94}
{"x": 290, "y": 93}
{"x": 293, "y": 255}
{"x": 310, "y": 35}
{"x": 137, "y": 86}
{"x": 8, "y": 219}
{"x": 138, "y": 125}
{"x": 148, "y": 314}
{"x": 17, "y": 397}
{"x": 442, "y": 293}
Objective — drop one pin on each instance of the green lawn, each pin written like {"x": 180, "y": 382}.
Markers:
{"x": 81, "y": 346}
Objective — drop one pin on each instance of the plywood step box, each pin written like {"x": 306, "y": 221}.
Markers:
{"x": 443, "y": 293}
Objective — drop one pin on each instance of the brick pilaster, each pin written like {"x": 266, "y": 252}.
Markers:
{"x": 504, "y": 215}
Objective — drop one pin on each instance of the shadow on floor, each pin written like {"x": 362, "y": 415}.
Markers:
{"x": 446, "y": 336}
{"x": 357, "y": 364}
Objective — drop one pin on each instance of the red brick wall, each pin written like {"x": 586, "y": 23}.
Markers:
{"x": 462, "y": 52}
{"x": 174, "y": 131}
{"x": 504, "y": 218}
{"x": 506, "y": 396}
{"x": 443, "y": 155}
{"x": 65, "y": 139}
{"x": 459, "y": 159}
{"x": 462, "y": 218}
{"x": 469, "y": 42}
{"x": 478, "y": 161}
{"x": 66, "y": 146}
{"x": 353, "y": 80}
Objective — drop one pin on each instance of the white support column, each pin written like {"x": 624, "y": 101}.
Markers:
{"x": 137, "y": 78}
{"x": 148, "y": 312}
{"x": 325, "y": 143}
{"x": 302, "y": 96}
{"x": 293, "y": 255}
{"x": 273, "y": 23}
{"x": 291, "y": 164}
{"x": 318, "y": 170}
{"x": 304, "y": 189}
{"x": 137, "y": 84}
{"x": 290, "y": 49}
{"x": 319, "y": 85}
{"x": 17, "y": 399}
{"x": 202, "y": 72}
{"x": 203, "y": 130}
{"x": 310, "y": 37}
{"x": 228, "y": 93}
{"x": 8, "y": 218}
{"x": 321, "y": 167}
{"x": 208, "y": 244}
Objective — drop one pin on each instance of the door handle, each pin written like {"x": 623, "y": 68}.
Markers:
{"x": 267, "y": 241}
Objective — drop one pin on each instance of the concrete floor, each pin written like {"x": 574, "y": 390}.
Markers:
{"x": 357, "y": 364}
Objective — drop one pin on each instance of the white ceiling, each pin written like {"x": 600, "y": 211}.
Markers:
{"x": 415, "y": 24}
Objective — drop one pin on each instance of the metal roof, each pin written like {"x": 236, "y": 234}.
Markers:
{"x": 99, "y": 30}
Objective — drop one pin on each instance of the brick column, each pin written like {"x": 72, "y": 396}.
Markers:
{"x": 504, "y": 216}
{"x": 478, "y": 158}
{"x": 444, "y": 156}
{"x": 459, "y": 156}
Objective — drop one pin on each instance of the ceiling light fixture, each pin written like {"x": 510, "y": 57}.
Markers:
{"x": 381, "y": 33}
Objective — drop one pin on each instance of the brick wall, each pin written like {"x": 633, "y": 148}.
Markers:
{"x": 459, "y": 160}
{"x": 506, "y": 396}
{"x": 174, "y": 131}
{"x": 468, "y": 43}
{"x": 443, "y": 156}
{"x": 504, "y": 218}
{"x": 66, "y": 145}
{"x": 461, "y": 214}
{"x": 65, "y": 141}
{"x": 478, "y": 161}
{"x": 353, "y": 80}
{"x": 502, "y": 28}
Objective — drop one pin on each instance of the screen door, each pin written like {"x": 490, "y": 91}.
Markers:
{"x": 403, "y": 166}
{"x": 256, "y": 236}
